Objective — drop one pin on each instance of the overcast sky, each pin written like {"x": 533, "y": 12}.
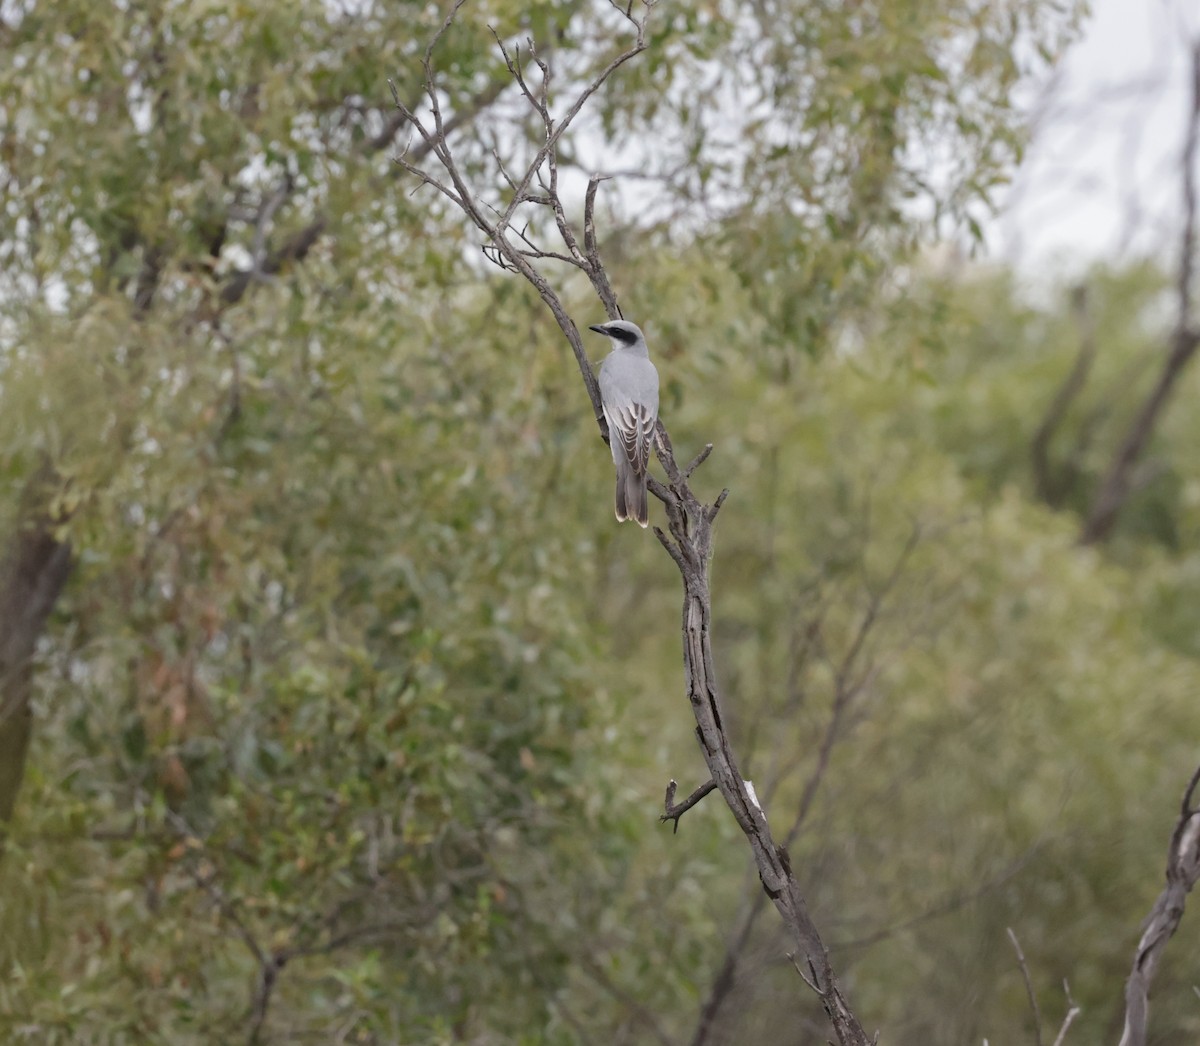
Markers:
{"x": 1102, "y": 176}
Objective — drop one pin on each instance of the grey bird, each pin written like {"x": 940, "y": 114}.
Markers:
{"x": 629, "y": 396}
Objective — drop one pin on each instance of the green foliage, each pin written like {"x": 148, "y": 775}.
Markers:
{"x": 1022, "y": 720}
{"x": 355, "y": 670}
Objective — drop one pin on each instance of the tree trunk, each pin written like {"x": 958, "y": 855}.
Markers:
{"x": 33, "y": 572}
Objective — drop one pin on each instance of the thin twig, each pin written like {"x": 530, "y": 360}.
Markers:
{"x": 1033, "y": 1004}
{"x": 711, "y": 512}
{"x": 673, "y": 811}
{"x": 1073, "y": 1011}
{"x": 553, "y": 137}
{"x": 697, "y": 461}
{"x": 808, "y": 978}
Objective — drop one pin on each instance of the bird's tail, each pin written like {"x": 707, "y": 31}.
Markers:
{"x": 622, "y": 510}
{"x": 636, "y": 498}
{"x": 632, "y": 501}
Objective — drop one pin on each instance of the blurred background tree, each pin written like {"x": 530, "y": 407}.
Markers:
{"x": 334, "y": 708}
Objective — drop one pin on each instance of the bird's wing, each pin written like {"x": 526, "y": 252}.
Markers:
{"x": 633, "y": 425}
{"x": 630, "y": 428}
{"x": 631, "y": 415}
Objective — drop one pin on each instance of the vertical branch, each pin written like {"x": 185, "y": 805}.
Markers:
{"x": 33, "y": 571}
{"x": 1029, "y": 992}
{"x": 690, "y": 520}
{"x": 596, "y": 271}
{"x": 1183, "y": 870}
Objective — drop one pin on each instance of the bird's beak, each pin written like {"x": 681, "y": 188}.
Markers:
{"x": 598, "y": 328}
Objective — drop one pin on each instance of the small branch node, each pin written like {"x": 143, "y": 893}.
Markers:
{"x": 1073, "y": 1011}
{"x": 673, "y": 811}
{"x": 698, "y": 460}
{"x": 808, "y": 978}
{"x": 1033, "y": 1004}
{"x": 711, "y": 513}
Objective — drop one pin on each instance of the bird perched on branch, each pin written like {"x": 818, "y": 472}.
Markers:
{"x": 629, "y": 396}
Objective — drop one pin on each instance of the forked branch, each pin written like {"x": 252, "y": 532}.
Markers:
{"x": 673, "y": 811}
{"x": 688, "y": 537}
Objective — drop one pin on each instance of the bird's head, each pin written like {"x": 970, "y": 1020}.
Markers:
{"x": 622, "y": 333}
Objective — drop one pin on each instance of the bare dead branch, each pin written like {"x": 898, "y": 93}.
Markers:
{"x": 503, "y": 170}
{"x": 569, "y": 117}
{"x": 673, "y": 811}
{"x": 466, "y": 113}
{"x": 712, "y": 510}
{"x": 1033, "y": 1004}
{"x": 541, "y": 105}
{"x": 517, "y": 73}
{"x": 447, "y": 22}
{"x": 433, "y": 143}
{"x": 848, "y": 685}
{"x": 544, "y": 88}
{"x": 669, "y": 545}
{"x": 809, "y": 978}
{"x": 591, "y": 252}
{"x": 538, "y": 253}
{"x": 1073, "y": 1011}
{"x": 426, "y": 179}
{"x": 560, "y": 215}
{"x": 689, "y": 520}
{"x": 1183, "y": 869}
{"x": 589, "y": 215}
{"x": 697, "y": 461}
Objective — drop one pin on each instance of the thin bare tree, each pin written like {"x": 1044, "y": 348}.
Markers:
{"x": 690, "y": 519}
